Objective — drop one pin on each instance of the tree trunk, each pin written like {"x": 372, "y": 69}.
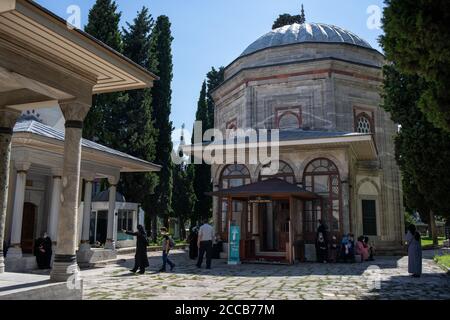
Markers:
{"x": 433, "y": 229}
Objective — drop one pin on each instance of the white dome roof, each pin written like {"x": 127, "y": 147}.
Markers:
{"x": 306, "y": 32}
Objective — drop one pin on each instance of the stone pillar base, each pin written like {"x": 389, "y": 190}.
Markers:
{"x": 88, "y": 258}
{"x": 84, "y": 246}
{"x": 110, "y": 245}
{"x": 14, "y": 253}
{"x": 65, "y": 268}
{"x": 2, "y": 262}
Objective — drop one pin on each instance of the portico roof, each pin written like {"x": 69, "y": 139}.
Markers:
{"x": 37, "y": 135}
{"x": 33, "y": 39}
{"x": 273, "y": 187}
{"x": 361, "y": 144}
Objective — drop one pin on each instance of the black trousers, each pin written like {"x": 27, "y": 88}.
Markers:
{"x": 205, "y": 246}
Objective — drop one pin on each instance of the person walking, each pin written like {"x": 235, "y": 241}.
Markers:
{"x": 413, "y": 242}
{"x": 205, "y": 240}
{"x": 140, "y": 258}
{"x": 167, "y": 244}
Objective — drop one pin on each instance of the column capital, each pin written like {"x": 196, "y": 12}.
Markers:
{"x": 88, "y": 176}
{"x": 113, "y": 181}
{"x": 57, "y": 172}
{"x": 22, "y": 166}
{"x": 74, "y": 112}
{"x": 8, "y": 118}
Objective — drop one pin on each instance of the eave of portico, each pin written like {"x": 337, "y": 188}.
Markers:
{"x": 48, "y": 151}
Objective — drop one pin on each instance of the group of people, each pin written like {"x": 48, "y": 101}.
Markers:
{"x": 203, "y": 240}
{"x": 141, "y": 258}
{"x": 345, "y": 251}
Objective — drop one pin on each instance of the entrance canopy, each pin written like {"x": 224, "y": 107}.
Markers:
{"x": 268, "y": 188}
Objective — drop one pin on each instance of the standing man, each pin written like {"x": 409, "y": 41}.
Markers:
{"x": 204, "y": 243}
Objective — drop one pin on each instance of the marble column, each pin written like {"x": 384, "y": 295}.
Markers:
{"x": 111, "y": 232}
{"x": 65, "y": 264}
{"x": 8, "y": 119}
{"x": 55, "y": 205}
{"x": 87, "y": 208}
{"x": 15, "y": 250}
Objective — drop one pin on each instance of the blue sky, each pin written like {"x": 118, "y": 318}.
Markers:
{"x": 214, "y": 32}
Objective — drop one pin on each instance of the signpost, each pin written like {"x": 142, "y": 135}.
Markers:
{"x": 234, "y": 237}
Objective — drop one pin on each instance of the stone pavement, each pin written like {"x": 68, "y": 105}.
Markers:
{"x": 385, "y": 278}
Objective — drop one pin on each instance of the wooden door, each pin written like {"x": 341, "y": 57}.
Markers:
{"x": 282, "y": 224}
{"x": 28, "y": 221}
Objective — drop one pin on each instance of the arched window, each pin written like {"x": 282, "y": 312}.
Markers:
{"x": 233, "y": 175}
{"x": 285, "y": 172}
{"x": 322, "y": 177}
{"x": 364, "y": 124}
{"x": 288, "y": 121}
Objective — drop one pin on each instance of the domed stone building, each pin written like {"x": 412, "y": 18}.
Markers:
{"x": 320, "y": 86}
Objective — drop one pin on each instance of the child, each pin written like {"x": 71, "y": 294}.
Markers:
{"x": 167, "y": 244}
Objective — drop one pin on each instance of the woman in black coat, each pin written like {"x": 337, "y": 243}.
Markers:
{"x": 193, "y": 246}
{"x": 43, "y": 251}
{"x": 140, "y": 258}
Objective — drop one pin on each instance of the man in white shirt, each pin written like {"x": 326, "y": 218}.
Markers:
{"x": 204, "y": 243}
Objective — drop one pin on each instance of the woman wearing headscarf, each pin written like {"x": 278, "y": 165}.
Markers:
{"x": 193, "y": 239}
{"x": 43, "y": 251}
{"x": 413, "y": 242}
{"x": 140, "y": 258}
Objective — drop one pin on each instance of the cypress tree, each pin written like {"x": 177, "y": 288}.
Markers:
{"x": 215, "y": 78}
{"x": 136, "y": 128}
{"x": 100, "y": 123}
{"x": 202, "y": 172}
{"x": 161, "y": 64}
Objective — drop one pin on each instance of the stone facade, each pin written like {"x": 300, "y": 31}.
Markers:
{"x": 320, "y": 87}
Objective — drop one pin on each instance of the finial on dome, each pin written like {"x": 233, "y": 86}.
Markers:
{"x": 302, "y": 16}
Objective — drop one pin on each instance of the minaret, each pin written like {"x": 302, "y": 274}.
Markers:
{"x": 302, "y": 16}
{"x": 182, "y": 144}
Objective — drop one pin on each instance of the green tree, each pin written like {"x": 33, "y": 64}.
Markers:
{"x": 287, "y": 19}
{"x": 161, "y": 64}
{"x": 135, "y": 128}
{"x": 417, "y": 34}
{"x": 202, "y": 172}
{"x": 422, "y": 151}
{"x": 103, "y": 24}
{"x": 215, "y": 78}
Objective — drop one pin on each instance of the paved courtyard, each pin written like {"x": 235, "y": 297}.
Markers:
{"x": 385, "y": 278}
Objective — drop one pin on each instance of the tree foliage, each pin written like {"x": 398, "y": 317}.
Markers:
{"x": 417, "y": 34}
{"x": 287, "y": 19}
{"x": 422, "y": 151}
{"x": 183, "y": 191}
{"x": 100, "y": 125}
{"x": 202, "y": 172}
{"x": 161, "y": 64}
{"x": 136, "y": 131}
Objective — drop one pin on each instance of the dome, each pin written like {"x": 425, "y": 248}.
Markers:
{"x": 306, "y": 32}
{"x": 104, "y": 197}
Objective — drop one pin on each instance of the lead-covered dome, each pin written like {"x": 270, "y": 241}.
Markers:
{"x": 306, "y": 32}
